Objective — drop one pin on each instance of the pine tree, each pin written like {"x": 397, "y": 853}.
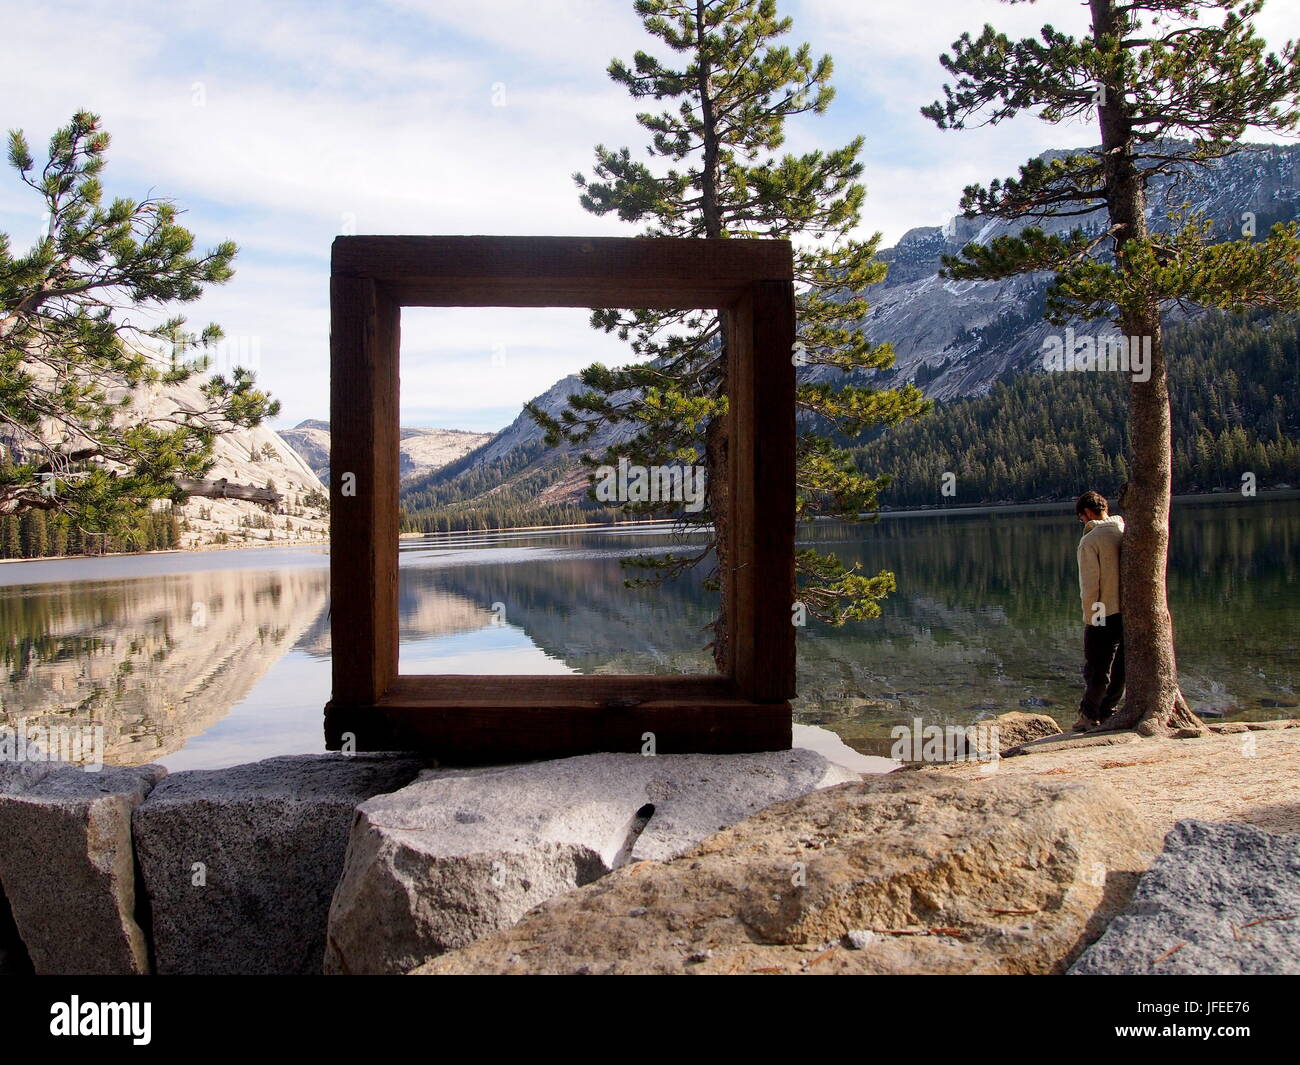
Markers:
{"x": 727, "y": 92}
{"x": 74, "y": 345}
{"x": 12, "y": 546}
{"x": 1150, "y": 71}
{"x": 34, "y": 539}
{"x": 58, "y": 535}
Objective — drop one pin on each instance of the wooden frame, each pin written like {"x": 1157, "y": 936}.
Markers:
{"x": 467, "y": 719}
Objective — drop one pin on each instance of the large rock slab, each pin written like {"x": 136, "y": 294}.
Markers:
{"x": 463, "y": 853}
{"x": 239, "y": 864}
{"x": 1230, "y": 727}
{"x": 1221, "y": 899}
{"x": 991, "y": 738}
{"x": 1017, "y": 728}
{"x": 907, "y": 873}
{"x": 16, "y": 777}
{"x": 67, "y": 867}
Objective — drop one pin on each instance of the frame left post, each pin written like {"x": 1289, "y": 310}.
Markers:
{"x": 364, "y": 339}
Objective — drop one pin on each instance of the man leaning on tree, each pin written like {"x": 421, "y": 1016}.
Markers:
{"x": 1103, "y": 631}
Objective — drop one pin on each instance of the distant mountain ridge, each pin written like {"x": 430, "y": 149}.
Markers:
{"x": 956, "y": 338}
{"x": 953, "y": 339}
{"x": 420, "y": 451}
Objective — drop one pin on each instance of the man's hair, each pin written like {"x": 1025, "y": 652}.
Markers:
{"x": 1091, "y": 501}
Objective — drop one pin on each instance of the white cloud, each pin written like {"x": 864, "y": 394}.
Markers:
{"x": 284, "y": 129}
{"x": 280, "y": 125}
{"x": 566, "y": 35}
{"x": 468, "y": 358}
{"x": 887, "y": 60}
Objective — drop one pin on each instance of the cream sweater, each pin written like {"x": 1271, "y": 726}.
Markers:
{"x": 1099, "y": 567}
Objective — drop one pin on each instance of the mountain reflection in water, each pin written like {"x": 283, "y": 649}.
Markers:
{"x": 208, "y": 659}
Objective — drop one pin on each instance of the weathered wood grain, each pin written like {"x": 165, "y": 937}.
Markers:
{"x": 364, "y": 332}
{"x": 562, "y": 271}
{"x": 761, "y": 391}
{"x": 478, "y": 720}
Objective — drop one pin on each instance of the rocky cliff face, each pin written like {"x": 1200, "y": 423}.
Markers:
{"x": 955, "y": 338}
{"x": 258, "y": 457}
{"x": 311, "y": 440}
{"x": 255, "y": 457}
{"x": 420, "y": 451}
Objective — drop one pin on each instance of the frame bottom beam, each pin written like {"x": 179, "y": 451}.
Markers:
{"x": 487, "y": 735}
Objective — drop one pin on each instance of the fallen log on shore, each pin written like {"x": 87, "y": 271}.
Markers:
{"x": 224, "y": 489}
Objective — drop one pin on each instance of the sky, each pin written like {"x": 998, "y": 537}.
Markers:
{"x": 280, "y": 125}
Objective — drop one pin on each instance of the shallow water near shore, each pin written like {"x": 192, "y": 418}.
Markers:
{"x": 207, "y": 659}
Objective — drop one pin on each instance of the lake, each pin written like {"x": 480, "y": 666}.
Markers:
{"x": 206, "y": 659}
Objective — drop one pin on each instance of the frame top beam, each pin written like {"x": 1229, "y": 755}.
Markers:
{"x": 458, "y": 271}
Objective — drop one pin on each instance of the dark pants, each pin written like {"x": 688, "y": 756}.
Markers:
{"x": 1103, "y": 667}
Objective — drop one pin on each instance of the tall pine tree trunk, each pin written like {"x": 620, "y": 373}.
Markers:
{"x": 717, "y": 452}
{"x": 1153, "y": 702}
{"x": 717, "y": 443}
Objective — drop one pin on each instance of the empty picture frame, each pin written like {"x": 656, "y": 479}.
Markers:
{"x": 462, "y": 719}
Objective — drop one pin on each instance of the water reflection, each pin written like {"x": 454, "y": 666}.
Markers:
{"x": 153, "y": 660}
{"x": 215, "y": 658}
{"x": 565, "y": 594}
{"x": 985, "y": 619}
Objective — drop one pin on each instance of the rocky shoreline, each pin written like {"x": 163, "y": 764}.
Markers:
{"x": 1101, "y": 858}
{"x": 1243, "y": 771}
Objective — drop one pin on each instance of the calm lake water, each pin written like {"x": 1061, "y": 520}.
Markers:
{"x": 200, "y": 660}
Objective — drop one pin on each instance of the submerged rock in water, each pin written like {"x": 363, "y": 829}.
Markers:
{"x": 1016, "y": 728}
